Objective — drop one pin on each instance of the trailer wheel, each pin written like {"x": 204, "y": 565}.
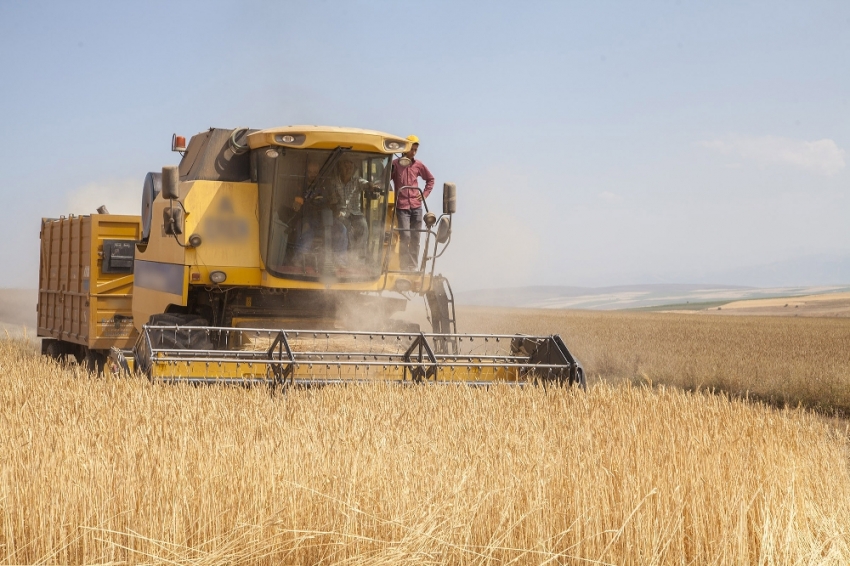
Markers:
{"x": 95, "y": 362}
{"x": 60, "y": 350}
{"x": 54, "y": 350}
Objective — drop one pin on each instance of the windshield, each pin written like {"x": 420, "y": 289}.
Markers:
{"x": 324, "y": 212}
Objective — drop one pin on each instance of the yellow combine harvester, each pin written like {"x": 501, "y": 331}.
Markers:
{"x": 270, "y": 256}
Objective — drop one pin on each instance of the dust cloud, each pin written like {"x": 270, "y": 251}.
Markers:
{"x": 17, "y": 311}
{"x": 498, "y": 232}
{"x": 390, "y": 312}
{"x": 122, "y": 196}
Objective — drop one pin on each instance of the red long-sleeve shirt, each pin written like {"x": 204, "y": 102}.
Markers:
{"x": 409, "y": 177}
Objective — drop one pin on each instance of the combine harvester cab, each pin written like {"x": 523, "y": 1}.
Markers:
{"x": 272, "y": 256}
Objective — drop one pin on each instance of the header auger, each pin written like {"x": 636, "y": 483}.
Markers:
{"x": 271, "y": 256}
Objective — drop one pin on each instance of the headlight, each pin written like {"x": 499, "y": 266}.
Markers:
{"x": 290, "y": 139}
{"x": 394, "y": 145}
{"x": 218, "y": 277}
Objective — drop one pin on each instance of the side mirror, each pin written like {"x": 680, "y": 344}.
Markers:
{"x": 444, "y": 230}
{"x": 404, "y": 161}
{"x": 170, "y": 180}
{"x": 449, "y": 198}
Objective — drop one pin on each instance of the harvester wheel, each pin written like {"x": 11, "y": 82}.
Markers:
{"x": 438, "y": 305}
{"x": 182, "y": 338}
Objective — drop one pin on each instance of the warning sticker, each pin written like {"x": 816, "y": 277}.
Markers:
{"x": 115, "y": 327}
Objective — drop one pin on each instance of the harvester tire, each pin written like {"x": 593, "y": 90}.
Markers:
{"x": 182, "y": 338}
{"x": 438, "y": 305}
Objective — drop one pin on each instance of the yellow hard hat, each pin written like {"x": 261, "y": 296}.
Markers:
{"x": 413, "y": 139}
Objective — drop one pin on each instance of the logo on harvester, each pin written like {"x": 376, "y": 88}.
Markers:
{"x": 222, "y": 224}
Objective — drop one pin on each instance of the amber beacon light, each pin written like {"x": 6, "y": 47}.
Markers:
{"x": 178, "y": 143}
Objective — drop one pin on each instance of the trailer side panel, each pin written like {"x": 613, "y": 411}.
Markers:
{"x": 85, "y": 296}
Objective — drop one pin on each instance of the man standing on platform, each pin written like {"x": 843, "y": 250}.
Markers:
{"x": 408, "y": 203}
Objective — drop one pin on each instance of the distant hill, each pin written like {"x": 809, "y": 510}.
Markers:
{"x": 627, "y": 296}
{"x": 818, "y": 269}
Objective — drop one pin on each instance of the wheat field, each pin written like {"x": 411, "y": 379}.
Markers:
{"x": 115, "y": 471}
{"x": 781, "y": 360}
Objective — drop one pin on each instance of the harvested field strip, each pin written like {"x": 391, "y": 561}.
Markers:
{"x": 125, "y": 471}
{"x": 780, "y": 360}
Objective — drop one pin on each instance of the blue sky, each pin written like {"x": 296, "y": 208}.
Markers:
{"x": 593, "y": 144}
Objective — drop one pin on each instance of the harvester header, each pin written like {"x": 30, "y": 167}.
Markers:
{"x": 281, "y": 357}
